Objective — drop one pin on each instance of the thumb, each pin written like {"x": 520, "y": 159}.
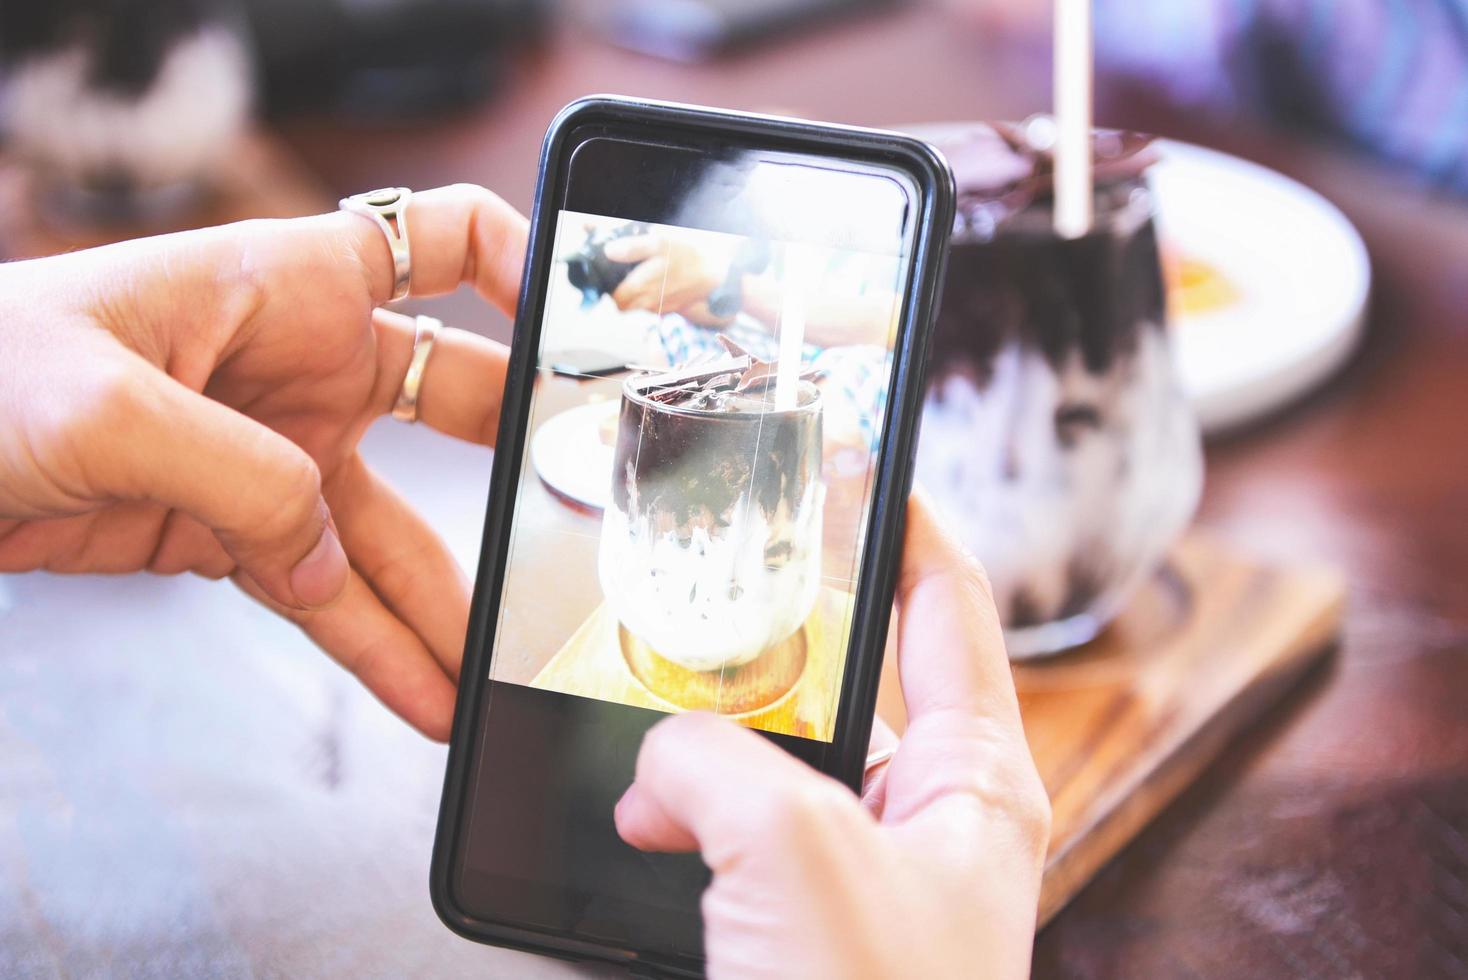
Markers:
{"x": 256, "y": 490}
{"x": 705, "y": 783}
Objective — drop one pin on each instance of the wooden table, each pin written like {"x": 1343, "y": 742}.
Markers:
{"x": 188, "y": 788}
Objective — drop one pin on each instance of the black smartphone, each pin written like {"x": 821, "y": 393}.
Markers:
{"x": 739, "y": 497}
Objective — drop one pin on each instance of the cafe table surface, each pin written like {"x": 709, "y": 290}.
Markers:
{"x": 187, "y": 788}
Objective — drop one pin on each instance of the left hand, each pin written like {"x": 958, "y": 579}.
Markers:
{"x": 193, "y": 402}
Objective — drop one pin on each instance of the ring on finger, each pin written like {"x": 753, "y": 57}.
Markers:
{"x": 388, "y": 209}
{"x": 425, "y": 332}
{"x": 877, "y": 758}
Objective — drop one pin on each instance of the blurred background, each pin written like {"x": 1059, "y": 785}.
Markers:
{"x": 1329, "y": 841}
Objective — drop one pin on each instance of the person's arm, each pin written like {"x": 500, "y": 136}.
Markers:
{"x": 935, "y": 874}
{"x": 193, "y": 402}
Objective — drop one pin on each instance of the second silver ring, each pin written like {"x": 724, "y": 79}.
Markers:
{"x": 425, "y": 332}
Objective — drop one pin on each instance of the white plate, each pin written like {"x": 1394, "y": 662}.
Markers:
{"x": 1298, "y": 266}
{"x": 1299, "y": 269}
{"x": 569, "y": 454}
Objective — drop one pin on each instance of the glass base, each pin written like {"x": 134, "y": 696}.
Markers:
{"x": 1049, "y": 639}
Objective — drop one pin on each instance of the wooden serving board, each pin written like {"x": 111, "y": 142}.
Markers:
{"x": 599, "y": 662}
{"x": 1122, "y": 726}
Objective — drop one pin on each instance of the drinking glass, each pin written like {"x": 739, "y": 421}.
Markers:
{"x": 1055, "y": 435}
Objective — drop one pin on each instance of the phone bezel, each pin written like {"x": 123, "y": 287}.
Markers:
{"x": 892, "y": 482}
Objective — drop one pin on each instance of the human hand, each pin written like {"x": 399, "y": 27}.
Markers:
{"x": 193, "y": 402}
{"x": 672, "y": 275}
{"x": 935, "y": 873}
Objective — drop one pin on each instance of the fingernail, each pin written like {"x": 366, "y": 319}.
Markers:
{"x": 320, "y": 577}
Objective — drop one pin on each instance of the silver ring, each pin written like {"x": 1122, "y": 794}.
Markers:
{"x": 425, "y": 332}
{"x": 875, "y": 759}
{"x": 388, "y": 209}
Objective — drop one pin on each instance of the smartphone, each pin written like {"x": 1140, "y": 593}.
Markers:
{"x": 745, "y": 488}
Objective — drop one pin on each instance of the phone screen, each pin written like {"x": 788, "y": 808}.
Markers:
{"x": 687, "y": 534}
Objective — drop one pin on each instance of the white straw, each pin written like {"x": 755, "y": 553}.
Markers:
{"x": 1072, "y": 118}
{"x": 799, "y": 280}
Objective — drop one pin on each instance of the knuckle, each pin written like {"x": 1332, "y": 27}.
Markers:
{"x": 972, "y": 574}
{"x": 113, "y": 394}
{"x": 996, "y": 780}
{"x": 296, "y": 481}
{"x": 478, "y": 194}
{"x": 1032, "y": 815}
{"x": 1018, "y": 793}
{"x": 246, "y": 273}
{"x": 301, "y": 475}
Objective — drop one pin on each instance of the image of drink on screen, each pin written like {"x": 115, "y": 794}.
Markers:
{"x": 707, "y": 505}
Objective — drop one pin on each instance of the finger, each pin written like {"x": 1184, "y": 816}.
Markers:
{"x": 462, "y": 384}
{"x": 701, "y": 780}
{"x": 457, "y": 234}
{"x": 643, "y": 287}
{"x": 963, "y": 761}
{"x": 950, "y": 651}
{"x": 643, "y": 823}
{"x": 403, "y": 559}
{"x": 374, "y": 645}
{"x": 255, "y": 489}
{"x": 634, "y": 248}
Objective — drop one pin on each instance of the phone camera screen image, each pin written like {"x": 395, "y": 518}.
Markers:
{"x": 691, "y": 510}
{"x": 710, "y": 502}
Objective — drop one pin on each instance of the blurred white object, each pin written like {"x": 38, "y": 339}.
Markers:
{"x": 95, "y": 140}
{"x": 1297, "y": 265}
{"x": 571, "y": 454}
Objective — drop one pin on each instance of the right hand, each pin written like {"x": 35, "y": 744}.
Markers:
{"x": 936, "y": 873}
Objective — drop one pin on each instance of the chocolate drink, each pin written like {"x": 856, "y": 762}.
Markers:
{"x": 1054, "y": 434}
{"x": 711, "y": 546}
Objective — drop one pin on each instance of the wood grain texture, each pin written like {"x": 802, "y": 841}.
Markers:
{"x": 1121, "y": 727}
{"x": 595, "y": 663}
